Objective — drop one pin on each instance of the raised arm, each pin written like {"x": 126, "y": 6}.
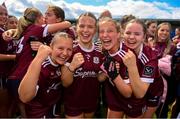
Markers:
{"x": 52, "y": 28}
{"x": 112, "y": 68}
{"x": 8, "y": 35}
{"x": 68, "y": 69}
{"x": 28, "y": 87}
{"x": 138, "y": 86}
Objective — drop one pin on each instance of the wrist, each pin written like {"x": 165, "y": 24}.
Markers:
{"x": 71, "y": 69}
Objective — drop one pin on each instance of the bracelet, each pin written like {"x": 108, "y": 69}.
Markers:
{"x": 70, "y": 69}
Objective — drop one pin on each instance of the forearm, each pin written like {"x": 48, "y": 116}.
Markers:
{"x": 122, "y": 87}
{"x": 27, "y": 89}
{"x": 52, "y": 28}
{"x": 67, "y": 75}
{"x": 139, "y": 88}
{"x": 7, "y": 57}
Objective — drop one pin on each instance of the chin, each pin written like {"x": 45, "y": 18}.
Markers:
{"x": 60, "y": 62}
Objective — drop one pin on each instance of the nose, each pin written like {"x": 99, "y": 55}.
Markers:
{"x": 105, "y": 33}
{"x": 65, "y": 52}
{"x": 131, "y": 35}
{"x": 86, "y": 29}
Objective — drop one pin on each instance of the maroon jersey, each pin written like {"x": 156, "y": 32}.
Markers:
{"x": 48, "y": 92}
{"x": 147, "y": 67}
{"x": 24, "y": 51}
{"x": 160, "y": 48}
{"x": 6, "y": 48}
{"x": 83, "y": 93}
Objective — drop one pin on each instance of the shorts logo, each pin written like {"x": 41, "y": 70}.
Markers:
{"x": 148, "y": 71}
{"x": 96, "y": 60}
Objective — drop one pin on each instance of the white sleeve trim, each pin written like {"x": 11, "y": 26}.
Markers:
{"x": 147, "y": 80}
{"x": 126, "y": 81}
{"x": 37, "y": 88}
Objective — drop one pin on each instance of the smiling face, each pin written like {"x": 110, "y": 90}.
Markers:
{"x": 134, "y": 35}
{"x": 12, "y": 23}
{"x": 109, "y": 36}
{"x": 152, "y": 29}
{"x": 163, "y": 33}
{"x": 62, "y": 48}
{"x": 86, "y": 29}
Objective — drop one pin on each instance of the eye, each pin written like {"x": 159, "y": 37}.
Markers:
{"x": 137, "y": 33}
{"x": 90, "y": 26}
{"x": 101, "y": 31}
{"x": 109, "y": 30}
{"x": 81, "y": 26}
{"x": 128, "y": 33}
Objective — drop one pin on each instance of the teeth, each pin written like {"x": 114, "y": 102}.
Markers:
{"x": 85, "y": 35}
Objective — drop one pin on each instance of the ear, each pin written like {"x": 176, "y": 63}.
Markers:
{"x": 58, "y": 20}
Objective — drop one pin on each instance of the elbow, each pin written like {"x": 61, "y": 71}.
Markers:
{"x": 139, "y": 96}
{"x": 66, "y": 84}
{"x": 128, "y": 95}
{"x": 24, "y": 98}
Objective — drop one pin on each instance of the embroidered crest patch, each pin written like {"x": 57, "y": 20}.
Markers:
{"x": 148, "y": 71}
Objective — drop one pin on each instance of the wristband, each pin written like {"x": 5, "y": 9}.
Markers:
{"x": 70, "y": 69}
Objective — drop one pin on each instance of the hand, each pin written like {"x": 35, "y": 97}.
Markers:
{"x": 129, "y": 59}
{"x": 111, "y": 67}
{"x": 77, "y": 61}
{"x": 43, "y": 52}
{"x": 35, "y": 45}
{"x": 8, "y": 35}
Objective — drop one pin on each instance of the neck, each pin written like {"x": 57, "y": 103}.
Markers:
{"x": 86, "y": 45}
{"x": 115, "y": 48}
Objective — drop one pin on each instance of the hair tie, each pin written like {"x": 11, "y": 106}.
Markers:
{"x": 28, "y": 19}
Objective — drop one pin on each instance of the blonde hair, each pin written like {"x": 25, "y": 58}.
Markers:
{"x": 168, "y": 40}
{"x": 30, "y": 17}
{"x": 58, "y": 35}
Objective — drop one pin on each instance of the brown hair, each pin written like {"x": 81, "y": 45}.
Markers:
{"x": 139, "y": 22}
{"x": 125, "y": 19}
{"x": 149, "y": 22}
{"x": 87, "y": 14}
{"x": 59, "y": 12}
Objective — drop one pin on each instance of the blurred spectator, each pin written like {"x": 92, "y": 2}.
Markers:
{"x": 11, "y": 22}
{"x": 176, "y": 38}
{"x": 105, "y": 13}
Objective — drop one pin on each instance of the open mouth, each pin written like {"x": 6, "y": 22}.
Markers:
{"x": 85, "y": 36}
{"x": 106, "y": 42}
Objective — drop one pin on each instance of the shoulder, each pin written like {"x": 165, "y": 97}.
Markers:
{"x": 149, "y": 53}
